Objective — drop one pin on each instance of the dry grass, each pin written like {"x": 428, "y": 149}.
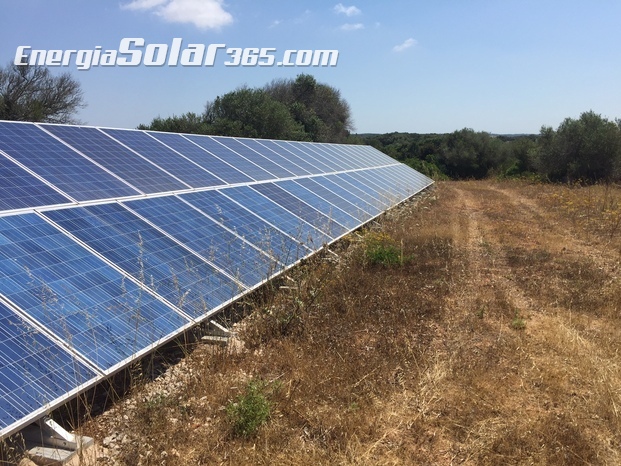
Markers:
{"x": 417, "y": 361}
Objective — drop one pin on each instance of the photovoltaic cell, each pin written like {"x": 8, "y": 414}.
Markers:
{"x": 290, "y": 163}
{"x": 121, "y": 161}
{"x": 290, "y": 154}
{"x": 363, "y": 192}
{"x": 224, "y": 249}
{"x": 255, "y": 157}
{"x": 334, "y": 186}
{"x": 201, "y": 157}
{"x": 19, "y": 189}
{"x": 281, "y": 247}
{"x": 301, "y": 209}
{"x": 325, "y": 166}
{"x": 150, "y": 148}
{"x": 34, "y": 371}
{"x": 314, "y": 200}
{"x": 343, "y": 163}
{"x": 388, "y": 196}
{"x": 149, "y": 256}
{"x": 224, "y": 153}
{"x": 348, "y": 206}
{"x": 77, "y": 296}
{"x": 277, "y": 215}
{"x": 59, "y": 164}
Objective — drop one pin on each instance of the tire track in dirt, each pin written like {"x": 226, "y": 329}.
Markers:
{"x": 557, "y": 234}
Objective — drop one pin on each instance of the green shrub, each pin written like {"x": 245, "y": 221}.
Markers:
{"x": 250, "y": 410}
{"x": 381, "y": 249}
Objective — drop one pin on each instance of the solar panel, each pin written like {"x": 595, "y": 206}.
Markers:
{"x": 332, "y": 211}
{"x": 226, "y": 172}
{"x": 305, "y": 233}
{"x": 348, "y": 206}
{"x": 247, "y": 167}
{"x": 292, "y": 155}
{"x": 35, "y": 372}
{"x": 264, "y": 162}
{"x": 113, "y": 242}
{"x": 144, "y": 175}
{"x": 150, "y": 148}
{"x": 77, "y": 296}
{"x": 210, "y": 240}
{"x": 289, "y": 162}
{"x": 151, "y": 257}
{"x": 325, "y": 166}
{"x": 365, "y": 205}
{"x": 298, "y": 207}
{"x": 281, "y": 247}
{"x": 58, "y": 164}
{"x": 19, "y": 189}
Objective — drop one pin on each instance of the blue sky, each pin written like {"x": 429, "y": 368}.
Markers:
{"x": 417, "y": 66}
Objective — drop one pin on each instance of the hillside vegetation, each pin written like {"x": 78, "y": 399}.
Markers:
{"x": 478, "y": 325}
{"x": 586, "y": 149}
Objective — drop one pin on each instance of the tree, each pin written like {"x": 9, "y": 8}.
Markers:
{"x": 31, "y": 93}
{"x": 587, "y": 149}
{"x": 319, "y": 108}
{"x": 251, "y": 113}
{"x": 187, "y": 123}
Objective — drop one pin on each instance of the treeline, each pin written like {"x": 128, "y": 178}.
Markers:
{"x": 586, "y": 149}
{"x": 300, "y": 109}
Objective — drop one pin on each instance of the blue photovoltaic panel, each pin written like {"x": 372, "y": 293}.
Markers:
{"x": 354, "y": 158}
{"x": 291, "y": 163}
{"x": 76, "y": 296}
{"x": 388, "y": 196}
{"x": 169, "y": 160}
{"x": 19, "y": 189}
{"x": 262, "y": 161}
{"x": 291, "y": 154}
{"x": 330, "y": 210}
{"x": 58, "y": 164}
{"x": 149, "y": 256}
{"x": 312, "y": 158}
{"x": 201, "y": 157}
{"x": 209, "y": 239}
{"x": 318, "y": 153}
{"x": 277, "y": 215}
{"x": 119, "y": 160}
{"x": 390, "y": 187}
{"x": 34, "y": 371}
{"x": 248, "y": 225}
{"x": 336, "y": 188}
{"x": 301, "y": 209}
{"x": 348, "y": 206}
{"x": 343, "y": 163}
{"x": 230, "y": 157}
{"x": 363, "y": 192}
{"x": 368, "y": 158}
{"x": 105, "y": 282}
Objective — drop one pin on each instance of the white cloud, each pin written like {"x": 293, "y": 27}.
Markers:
{"x": 405, "y": 45}
{"x": 204, "y": 14}
{"x": 275, "y": 23}
{"x": 352, "y": 27}
{"x": 346, "y": 10}
{"x": 142, "y": 4}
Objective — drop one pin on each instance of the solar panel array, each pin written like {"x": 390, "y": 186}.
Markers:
{"x": 113, "y": 242}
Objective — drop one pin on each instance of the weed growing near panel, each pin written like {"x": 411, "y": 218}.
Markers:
{"x": 381, "y": 249}
{"x": 250, "y": 410}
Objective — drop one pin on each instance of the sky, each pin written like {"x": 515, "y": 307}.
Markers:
{"x": 502, "y": 66}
